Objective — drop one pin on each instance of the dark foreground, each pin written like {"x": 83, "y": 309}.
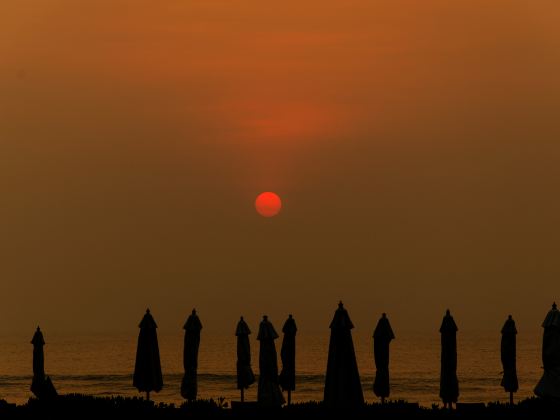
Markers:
{"x": 87, "y": 407}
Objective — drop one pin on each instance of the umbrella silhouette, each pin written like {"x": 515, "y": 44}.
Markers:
{"x": 41, "y": 384}
{"x": 382, "y": 336}
{"x": 508, "y": 356}
{"x": 269, "y": 393}
{"x": 449, "y": 385}
{"x": 342, "y": 383}
{"x": 549, "y": 385}
{"x": 147, "y": 370}
{"x": 190, "y": 356}
{"x": 288, "y": 356}
{"x": 245, "y": 376}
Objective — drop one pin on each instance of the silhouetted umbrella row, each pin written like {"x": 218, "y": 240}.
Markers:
{"x": 343, "y": 389}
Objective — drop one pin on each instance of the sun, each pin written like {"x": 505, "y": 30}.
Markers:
{"x": 268, "y": 204}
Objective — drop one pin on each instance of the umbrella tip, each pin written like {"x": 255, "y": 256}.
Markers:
{"x": 448, "y": 312}
{"x": 510, "y": 317}
{"x": 265, "y": 317}
{"x": 384, "y": 315}
{"x": 554, "y": 305}
{"x": 147, "y": 310}
{"x": 290, "y": 316}
{"x": 38, "y": 329}
{"x": 194, "y": 311}
{"x": 340, "y": 304}
{"x": 241, "y": 318}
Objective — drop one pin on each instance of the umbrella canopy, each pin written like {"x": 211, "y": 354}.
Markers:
{"x": 269, "y": 393}
{"x": 245, "y": 376}
{"x": 382, "y": 336}
{"x": 288, "y": 355}
{"x": 342, "y": 383}
{"x": 41, "y": 384}
{"x": 38, "y": 342}
{"x": 508, "y": 356}
{"x": 190, "y": 356}
{"x": 147, "y": 370}
{"x": 549, "y": 385}
{"x": 449, "y": 385}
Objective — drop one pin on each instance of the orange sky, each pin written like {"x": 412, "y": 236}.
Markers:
{"x": 415, "y": 146}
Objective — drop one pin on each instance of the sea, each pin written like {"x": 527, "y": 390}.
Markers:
{"x": 102, "y": 365}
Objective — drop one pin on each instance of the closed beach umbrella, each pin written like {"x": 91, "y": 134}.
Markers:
{"x": 41, "y": 384}
{"x": 190, "y": 356}
{"x": 508, "y": 356}
{"x": 288, "y": 356}
{"x": 382, "y": 336}
{"x": 38, "y": 363}
{"x": 269, "y": 393}
{"x": 147, "y": 370}
{"x": 245, "y": 376}
{"x": 549, "y": 385}
{"x": 449, "y": 385}
{"x": 343, "y": 389}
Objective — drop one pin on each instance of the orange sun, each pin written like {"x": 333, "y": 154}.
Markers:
{"x": 268, "y": 204}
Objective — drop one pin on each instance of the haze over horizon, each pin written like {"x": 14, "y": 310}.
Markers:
{"x": 415, "y": 146}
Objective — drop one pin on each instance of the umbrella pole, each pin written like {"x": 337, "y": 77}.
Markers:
{"x": 242, "y": 395}
{"x": 289, "y": 397}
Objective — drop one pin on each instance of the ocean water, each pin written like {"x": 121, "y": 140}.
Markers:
{"x": 103, "y": 365}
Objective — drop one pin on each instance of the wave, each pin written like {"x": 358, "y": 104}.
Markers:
{"x": 315, "y": 379}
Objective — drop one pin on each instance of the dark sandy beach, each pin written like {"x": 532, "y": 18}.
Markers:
{"x": 82, "y": 406}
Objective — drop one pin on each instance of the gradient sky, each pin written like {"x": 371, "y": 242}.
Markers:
{"x": 415, "y": 145}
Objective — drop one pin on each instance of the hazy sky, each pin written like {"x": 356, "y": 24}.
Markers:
{"x": 415, "y": 145}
